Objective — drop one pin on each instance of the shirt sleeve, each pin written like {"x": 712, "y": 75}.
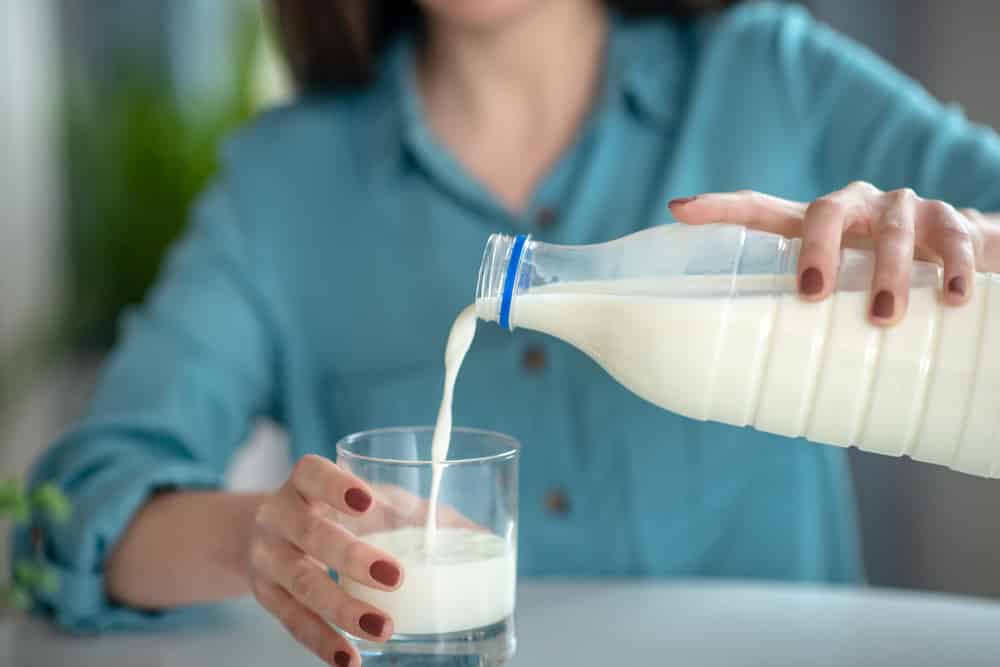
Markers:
{"x": 864, "y": 120}
{"x": 194, "y": 367}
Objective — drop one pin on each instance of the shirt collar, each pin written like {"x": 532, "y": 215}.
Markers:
{"x": 645, "y": 61}
{"x": 649, "y": 59}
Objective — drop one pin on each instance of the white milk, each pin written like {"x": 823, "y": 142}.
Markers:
{"x": 463, "y": 330}
{"x": 467, "y": 583}
{"x": 928, "y": 387}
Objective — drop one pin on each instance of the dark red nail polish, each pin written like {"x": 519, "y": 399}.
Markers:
{"x": 357, "y": 500}
{"x": 811, "y": 282}
{"x": 384, "y": 572}
{"x": 957, "y": 285}
{"x": 342, "y": 659}
{"x": 373, "y": 624}
{"x": 884, "y": 304}
{"x": 680, "y": 201}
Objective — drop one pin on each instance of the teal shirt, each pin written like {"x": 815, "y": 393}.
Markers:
{"x": 321, "y": 271}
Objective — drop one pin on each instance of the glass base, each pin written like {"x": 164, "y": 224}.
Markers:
{"x": 490, "y": 646}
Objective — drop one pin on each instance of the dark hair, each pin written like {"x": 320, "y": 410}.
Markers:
{"x": 332, "y": 44}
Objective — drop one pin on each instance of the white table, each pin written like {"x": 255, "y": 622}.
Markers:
{"x": 634, "y": 623}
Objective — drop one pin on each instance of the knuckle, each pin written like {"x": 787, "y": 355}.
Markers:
{"x": 902, "y": 195}
{"x": 863, "y": 188}
{"x": 896, "y": 227}
{"x": 939, "y": 209}
{"x": 313, "y": 535}
{"x": 259, "y": 558}
{"x": 355, "y": 553}
{"x": 952, "y": 231}
{"x": 827, "y": 205}
{"x": 305, "y": 466}
{"x": 302, "y": 581}
{"x": 262, "y": 517}
{"x": 313, "y": 542}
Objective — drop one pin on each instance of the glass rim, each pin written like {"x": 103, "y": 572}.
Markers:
{"x": 512, "y": 450}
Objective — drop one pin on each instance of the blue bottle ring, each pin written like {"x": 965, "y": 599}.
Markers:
{"x": 508, "y": 284}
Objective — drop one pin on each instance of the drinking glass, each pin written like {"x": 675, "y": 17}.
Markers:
{"x": 455, "y": 605}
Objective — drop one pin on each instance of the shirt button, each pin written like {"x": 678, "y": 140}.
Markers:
{"x": 557, "y": 502}
{"x": 545, "y": 217}
{"x": 534, "y": 359}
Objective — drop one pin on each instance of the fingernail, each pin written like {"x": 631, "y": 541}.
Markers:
{"x": 373, "y": 624}
{"x": 357, "y": 500}
{"x": 884, "y": 304}
{"x": 811, "y": 282}
{"x": 384, "y": 572}
{"x": 681, "y": 201}
{"x": 957, "y": 285}
{"x": 342, "y": 659}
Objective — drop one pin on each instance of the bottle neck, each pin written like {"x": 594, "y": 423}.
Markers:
{"x": 499, "y": 274}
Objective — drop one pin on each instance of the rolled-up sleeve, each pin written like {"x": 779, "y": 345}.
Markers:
{"x": 864, "y": 120}
{"x": 193, "y": 369}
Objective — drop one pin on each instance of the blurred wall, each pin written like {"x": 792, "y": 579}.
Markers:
{"x": 30, "y": 225}
{"x": 927, "y": 527}
{"x": 30, "y": 196}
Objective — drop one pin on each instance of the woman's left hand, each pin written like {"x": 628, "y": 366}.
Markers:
{"x": 899, "y": 225}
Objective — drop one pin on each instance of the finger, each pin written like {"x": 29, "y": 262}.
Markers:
{"x": 894, "y": 243}
{"x": 826, "y": 222}
{"x": 320, "y": 479}
{"x": 310, "y": 584}
{"x": 944, "y": 232}
{"x": 748, "y": 208}
{"x": 307, "y": 526}
{"x": 986, "y": 239}
{"x": 307, "y": 627}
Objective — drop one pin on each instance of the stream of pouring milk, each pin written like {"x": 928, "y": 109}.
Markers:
{"x": 459, "y": 341}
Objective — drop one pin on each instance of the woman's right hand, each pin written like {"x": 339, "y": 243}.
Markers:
{"x": 296, "y": 539}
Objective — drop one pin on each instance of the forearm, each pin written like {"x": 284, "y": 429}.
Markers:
{"x": 184, "y": 548}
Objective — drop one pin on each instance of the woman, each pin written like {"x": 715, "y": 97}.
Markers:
{"x": 323, "y": 268}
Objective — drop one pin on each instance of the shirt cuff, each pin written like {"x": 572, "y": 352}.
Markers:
{"x": 77, "y": 550}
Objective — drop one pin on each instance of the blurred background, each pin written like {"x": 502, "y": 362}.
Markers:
{"x": 110, "y": 116}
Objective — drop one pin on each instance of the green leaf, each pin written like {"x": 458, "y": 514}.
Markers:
{"x": 48, "y": 580}
{"x": 27, "y": 574}
{"x": 34, "y": 576}
{"x": 50, "y": 499}
{"x": 15, "y": 597}
{"x": 14, "y": 501}
{"x": 10, "y": 487}
{"x": 10, "y": 491}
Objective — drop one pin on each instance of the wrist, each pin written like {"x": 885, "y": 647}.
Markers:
{"x": 234, "y": 554}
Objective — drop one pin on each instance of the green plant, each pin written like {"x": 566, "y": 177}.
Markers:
{"x": 137, "y": 157}
{"x": 29, "y": 576}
